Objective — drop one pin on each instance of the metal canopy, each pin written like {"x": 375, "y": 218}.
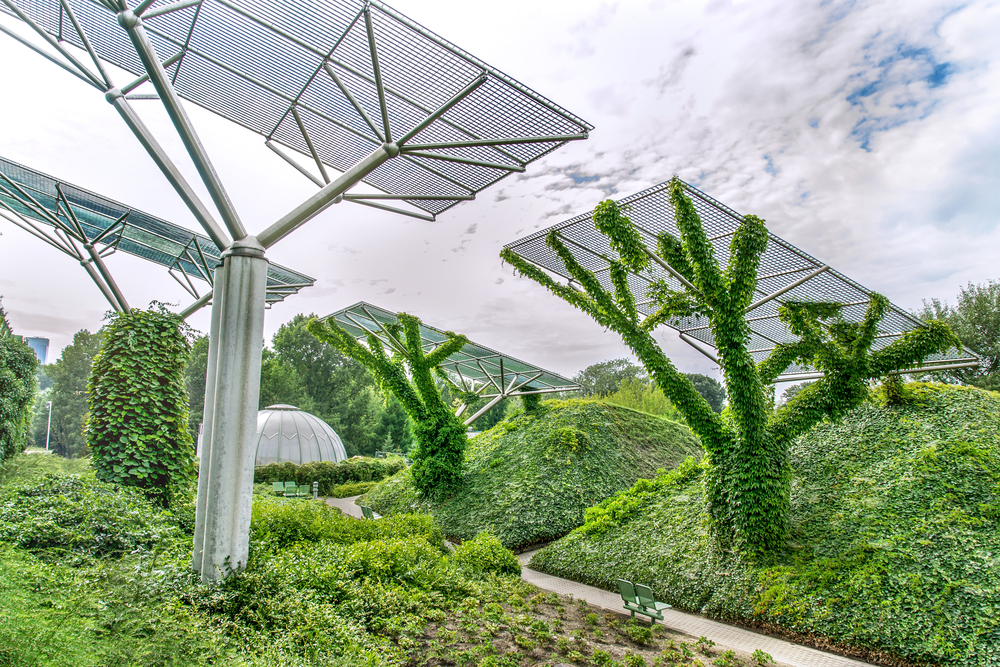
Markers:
{"x": 475, "y": 368}
{"x": 786, "y": 273}
{"x": 333, "y": 80}
{"x": 70, "y": 215}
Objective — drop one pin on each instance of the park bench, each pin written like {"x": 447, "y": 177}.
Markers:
{"x": 278, "y": 488}
{"x": 639, "y": 599}
{"x": 369, "y": 513}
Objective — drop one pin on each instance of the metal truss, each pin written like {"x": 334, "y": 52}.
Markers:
{"x": 475, "y": 368}
{"x": 89, "y": 227}
{"x": 353, "y": 85}
{"x": 786, "y": 273}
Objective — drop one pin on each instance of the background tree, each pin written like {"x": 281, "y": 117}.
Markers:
{"x": 194, "y": 382}
{"x": 604, "y": 378}
{"x": 17, "y": 391}
{"x": 710, "y": 389}
{"x": 408, "y": 374}
{"x": 138, "y": 423}
{"x": 69, "y": 394}
{"x": 748, "y": 484}
{"x": 976, "y": 322}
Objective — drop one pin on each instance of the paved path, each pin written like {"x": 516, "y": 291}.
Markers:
{"x": 694, "y": 625}
{"x": 347, "y": 506}
{"x": 691, "y": 624}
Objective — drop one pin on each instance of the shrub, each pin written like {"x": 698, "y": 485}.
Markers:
{"x": 352, "y": 489}
{"x": 485, "y": 553}
{"x": 137, "y": 427}
{"x": 17, "y": 391}
{"x": 82, "y": 516}
{"x": 330, "y": 474}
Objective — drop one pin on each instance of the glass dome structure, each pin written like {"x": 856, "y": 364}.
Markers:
{"x": 288, "y": 434}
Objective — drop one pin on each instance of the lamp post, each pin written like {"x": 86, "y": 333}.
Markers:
{"x": 48, "y": 427}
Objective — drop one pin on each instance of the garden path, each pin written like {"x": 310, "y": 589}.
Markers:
{"x": 729, "y": 636}
{"x": 723, "y": 634}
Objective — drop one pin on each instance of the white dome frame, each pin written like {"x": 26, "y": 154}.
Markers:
{"x": 286, "y": 434}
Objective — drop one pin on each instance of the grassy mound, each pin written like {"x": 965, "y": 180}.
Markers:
{"x": 894, "y": 544}
{"x": 529, "y": 478}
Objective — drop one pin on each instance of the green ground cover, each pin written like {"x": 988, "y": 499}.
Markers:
{"x": 530, "y": 478}
{"x": 94, "y": 574}
{"x": 894, "y": 543}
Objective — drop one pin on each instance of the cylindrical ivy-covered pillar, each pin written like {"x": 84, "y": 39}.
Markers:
{"x": 232, "y": 388}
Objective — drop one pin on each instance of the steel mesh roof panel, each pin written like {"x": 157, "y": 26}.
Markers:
{"x": 254, "y": 61}
{"x": 474, "y": 366}
{"x": 782, "y": 265}
{"x": 139, "y": 234}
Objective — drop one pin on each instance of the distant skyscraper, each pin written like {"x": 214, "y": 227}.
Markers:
{"x": 40, "y": 346}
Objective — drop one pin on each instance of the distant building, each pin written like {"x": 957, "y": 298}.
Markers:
{"x": 40, "y": 346}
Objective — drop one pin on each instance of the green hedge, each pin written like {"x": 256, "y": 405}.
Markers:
{"x": 894, "y": 536}
{"x": 329, "y": 474}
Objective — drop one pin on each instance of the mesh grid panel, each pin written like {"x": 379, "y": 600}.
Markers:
{"x": 473, "y": 366}
{"x": 252, "y": 61}
{"x": 142, "y": 234}
{"x": 781, "y": 266}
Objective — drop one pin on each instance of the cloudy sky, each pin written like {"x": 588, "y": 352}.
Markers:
{"x": 866, "y": 133}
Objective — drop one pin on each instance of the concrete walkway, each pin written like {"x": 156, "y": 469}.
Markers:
{"x": 691, "y": 624}
{"x": 726, "y": 636}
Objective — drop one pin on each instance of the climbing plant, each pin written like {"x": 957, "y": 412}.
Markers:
{"x": 17, "y": 392}
{"x": 437, "y": 457}
{"x": 748, "y": 483}
{"x": 138, "y": 424}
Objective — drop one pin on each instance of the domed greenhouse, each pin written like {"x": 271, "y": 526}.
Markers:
{"x": 286, "y": 433}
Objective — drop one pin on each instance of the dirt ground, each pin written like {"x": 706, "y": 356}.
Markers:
{"x": 549, "y": 629}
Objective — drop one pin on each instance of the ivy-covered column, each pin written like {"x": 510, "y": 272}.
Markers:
{"x": 225, "y": 477}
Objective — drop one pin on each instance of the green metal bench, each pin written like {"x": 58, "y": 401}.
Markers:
{"x": 278, "y": 488}
{"x": 638, "y": 599}
{"x": 369, "y": 513}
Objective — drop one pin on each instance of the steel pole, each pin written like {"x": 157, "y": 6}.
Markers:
{"x": 92, "y": 272}
{"x": 232, "y": 389}
{"x": 48, "y": 427}
{"x": 172, "y": 103}
{"x": 328, "y": 195}
{"x": 103, "y": 269}
{"x": 169, "y": 169}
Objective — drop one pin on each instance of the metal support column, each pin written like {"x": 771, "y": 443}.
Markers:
{"x": 225, "y": 480}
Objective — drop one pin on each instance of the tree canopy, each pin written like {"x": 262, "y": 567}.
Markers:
{"x": 976, "y": 322}
{"x": 69, "y": 376}
{"x": 748, "y": 485}
{"x": 604, "y": 378}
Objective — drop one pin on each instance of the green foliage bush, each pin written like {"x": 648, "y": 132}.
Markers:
{"x": 17, "y": 391}
{"x": 893, "y": 535}
{"x": 68, "y": 516}
{"x": 352, "y": 489}
{"x": 485, "y": 553}
{"x": 138, "y": 424}
{"x": 530, "y": 478}
{"x": 329, "y": 474}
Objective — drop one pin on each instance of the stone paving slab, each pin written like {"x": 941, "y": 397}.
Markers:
{"x": 694, "y": 625}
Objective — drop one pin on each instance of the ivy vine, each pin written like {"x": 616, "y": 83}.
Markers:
{"x": 17, "y": 393}
{"x": 407, "y": 372}
{"x": 748, "y": 480}
{"x": 138, "y": 423}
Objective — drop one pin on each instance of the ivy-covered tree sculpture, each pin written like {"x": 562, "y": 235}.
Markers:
{"x": 440, "y": 436}
{"x": 138, "y": 423}
{"x": 748, "y": 485}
